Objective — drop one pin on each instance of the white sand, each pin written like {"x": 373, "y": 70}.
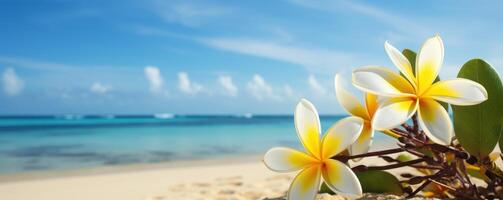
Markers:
{"x": 239, "y": 178}
{"x": 226, "y": 178}
{"x": 128, "y": 182}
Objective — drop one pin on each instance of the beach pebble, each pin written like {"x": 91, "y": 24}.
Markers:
{"x": 226, "y": 192}
{"x": 329, "y": 197}
{"x": 251, "y": 195}
{"x": 155, "y": 198}
{"x": 201, "y": 184}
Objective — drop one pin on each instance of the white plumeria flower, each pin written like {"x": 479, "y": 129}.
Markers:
{"x": 316, "y": 163}
{"x": 405, "y": 96}
{"x": 353, "y": 106}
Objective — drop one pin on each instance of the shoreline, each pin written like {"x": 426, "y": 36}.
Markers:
{"x": 124, "y": 168}
{"x": 243, "y": 178}
{"x": 378, "y": 144}
{"x": 134, "y": 182}
{"x": 229, "y": 177}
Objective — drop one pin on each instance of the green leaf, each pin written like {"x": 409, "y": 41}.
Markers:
{"x": 475, "y": 173}
{"x": 373, "y": 182}
{"x": 404, "y": 157}
{"x": 379, "y": 182}
{"x": 411, "y": 56}
{"x": 325, "y": 189}
{"x": 478, "y": 127}
{"x": 501, "y": 139}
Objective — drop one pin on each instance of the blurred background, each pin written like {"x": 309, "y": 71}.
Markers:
{"x": 93, "y": 83}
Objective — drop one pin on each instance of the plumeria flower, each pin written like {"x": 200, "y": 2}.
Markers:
{"x": 353, "y": 106}
{"x": 417, "y": 92}
{"x": 316, "y": 163}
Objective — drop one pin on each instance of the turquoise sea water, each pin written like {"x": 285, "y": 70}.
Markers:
{"x": 71, "y": 142}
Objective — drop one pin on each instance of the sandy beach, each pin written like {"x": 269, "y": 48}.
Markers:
{"x": 243, "y": 177}
{"x": 135, "y": 182}
{"x": 227, "y": 178}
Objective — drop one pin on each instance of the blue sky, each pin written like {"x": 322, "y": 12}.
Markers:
{"x": 218, "y": 57}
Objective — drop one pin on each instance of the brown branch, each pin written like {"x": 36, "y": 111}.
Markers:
{"x": 413, "y": 152}
{"x": 407, "y": 136}
{"x": 386, "y": 167}
{"x": 441, "y": 184}
{"x": 369, "y": 154}
{"x": 408, "y": 127}
{"x": 415, "y": 126}
{"x": 441, "y": 148}
{"x": 400, "y": 132}
{"x": 419, "y": 188}
{"x": 489, "y": 171}
{"x": 427, "y": 167}
{"x": 462, "y": 168}
{"x": 447, "y": 175}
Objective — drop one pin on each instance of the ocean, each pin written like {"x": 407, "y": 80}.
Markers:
{"x": 36, "y": 143}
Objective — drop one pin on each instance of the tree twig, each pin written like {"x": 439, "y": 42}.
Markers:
{"x": 386, "y": 167}
{"x": 369, "y": 154}
{"x": 419, "y": 188}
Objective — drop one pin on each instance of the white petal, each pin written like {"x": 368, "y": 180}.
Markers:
{"x": 394, "y": 112}
{"x": 364, "y": 141}
{"x": 283, "y": 159}
{"x": 401, "y": 62}
{"x": 341, "y": 135}
{"x": 306, "y": 184}
{"x": 347, "y": 100}
{"x": 381, "y": 81}
{"x": 341, "y": 179}
{"x": 459, "y": 91}
{"x": 435, "y": 121}
{"x": 307, "y": 123}
{"x": 429, "y": 61}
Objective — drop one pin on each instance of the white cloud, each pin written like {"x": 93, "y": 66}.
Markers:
{"x": 312, "y": 59}
{"x": 12, "y": 84}
{"x": 261, "y": 90}
{"x": 186, "y": 86}
{"x": 397, "y": 22}
{"x": 228, "y": 85}
{"x": 392, "y": 20}
{"x": 288, "y": 91}
{"x": 315, "y": 85}
{"x": 153, "y": 75}
{"x": 35, "y": 64}
{"x": 99, "y": 88}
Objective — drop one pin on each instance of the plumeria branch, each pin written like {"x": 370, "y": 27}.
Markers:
{"x": 345, "y": 158}
{"x": 422, "y": 186}
{"x": 445, "y": 163}
{"x": 386, "y": 167}
{"x": 428, "y": 141}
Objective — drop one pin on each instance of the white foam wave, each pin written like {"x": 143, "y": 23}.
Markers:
{"x": 164, "y": 116}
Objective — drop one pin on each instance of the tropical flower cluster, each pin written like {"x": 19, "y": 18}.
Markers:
{"x": 391, "y": 100}
{"x": 417, "y": 92}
